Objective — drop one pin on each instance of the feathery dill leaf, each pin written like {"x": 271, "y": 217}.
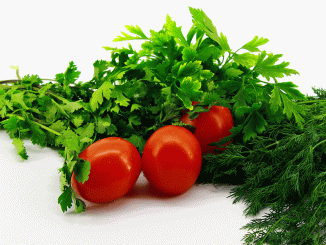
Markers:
{"x": 284, "y": 169}
{"x": 278, "y": 153}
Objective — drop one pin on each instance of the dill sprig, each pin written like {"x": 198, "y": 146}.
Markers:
{"x": 283, "y": 169}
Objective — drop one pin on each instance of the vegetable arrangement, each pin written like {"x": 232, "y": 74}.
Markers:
{"x": 271, "y": 137}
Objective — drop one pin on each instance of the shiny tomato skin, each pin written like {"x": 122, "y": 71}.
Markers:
{"x": 211, "y": 126}
{"x": 172, "y": 160}
{"x": 115, "y": 168}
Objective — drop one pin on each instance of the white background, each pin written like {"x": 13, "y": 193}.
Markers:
{"x": 42, "y": 37}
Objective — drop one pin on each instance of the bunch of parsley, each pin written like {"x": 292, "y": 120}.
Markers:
{"x": 135, "y": 93}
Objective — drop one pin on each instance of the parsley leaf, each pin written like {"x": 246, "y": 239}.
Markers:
{"x": 201, "y": 20}
{"x": 82, "y": 169}
{"x": 267, "y": 68}
{"x": 21, "y": 151}
{"x": 135, "y": 30}
{"x": 65, "y": 199}
{"x": 278, "y": 147}
{"x": 254, "y": 43}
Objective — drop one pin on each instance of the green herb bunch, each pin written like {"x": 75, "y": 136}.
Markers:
{"x": 135, "y": 93}
{"x": 284, "y": 169}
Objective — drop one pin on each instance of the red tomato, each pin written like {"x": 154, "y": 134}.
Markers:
{"x": 211, "y": 126}
{"x": 172, "y": 160}
{"x": 115, "y": 168}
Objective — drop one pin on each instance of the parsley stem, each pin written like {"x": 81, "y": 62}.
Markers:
{"x": 41, "y": 125}
{"x": 48, "y": 129}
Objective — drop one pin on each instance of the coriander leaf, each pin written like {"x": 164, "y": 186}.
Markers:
{"x": 134, "y": 119}
{"x": 235, "y": 131}
{"x": 111, "y": 130}
{"x": 65, "y": 199}
{"x": 135, "y": 30}
{"x": 63, "y": 179}
{"x": 77, "y": 120}
{"x": 87, "y": 140}
{"x": 201, "y": 20}
{"x": 70, "y": 140}
{"x": 175, "y": 31}
{"x": 50, "y": 111}
{"x": 232, "y": 72}
{"x": 80, "y": 206}
{"x": 82, "y": 170}
{"x": 19, "y": 99}
{"x": 70, "y": 107}
{"x": 137, "y": 141}
{"x": 267, "y": 68}
{"x": 275, "y": 99}
{"x": 3, "y": 112}
{"x": 206, "y": 74}
{"x": 209, "y": 98}
{"x": 44, "y": 89}
{"x": 38, "y": 136}
{"x": 189, "y": 54}
{"x": 240, "y": 100}
{"x": 28, "y": 81}
{"x": 11, "y": 126}
{"x": 67, "y": 78}
{"x": 105, "y": 107}
{"x": 120, "y": 98}
{"x": 169, "y": 111}
{"x": 289, "y": 89}
{"x": 188, "y": 69}
{"x": 115, "y": 109}
{"x": 70, "y": 159}
{"x": 59, "y": 109}
{"x": 102, "y": 124}
{"x": 191, "y": 87}
{"x": 167, "y": 93}
{"x": 290, "y": 107}
{"x": 254, "y": 123}
{"x": 99, "y": 68}
{"x": 210, "y": 86}
{"x": 135, "y": 107}
{"x": 21, "y": 151}
{"x": 245, "y": 59}
{"x": 205, "y": 53}
{"x": 86, "y": 131}
{"x": 188, "y": 90}
{"x": 254, "y": 43}
{"x": 97, "y": 97}
{"x": 191, "y": 34}
{"x": 71, "y": 74}
{"x": 6, "y": 102}
{"x": 158, "y": 39}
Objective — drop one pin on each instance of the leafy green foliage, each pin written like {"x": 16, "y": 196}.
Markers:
{"x": 21, "y": 151}
{"x": 278, "y": 139}
{"x": 284, "y": 169}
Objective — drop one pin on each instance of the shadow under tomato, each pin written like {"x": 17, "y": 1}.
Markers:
{"x": 141, "y": 190}
{"x": 147, "y": 190}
